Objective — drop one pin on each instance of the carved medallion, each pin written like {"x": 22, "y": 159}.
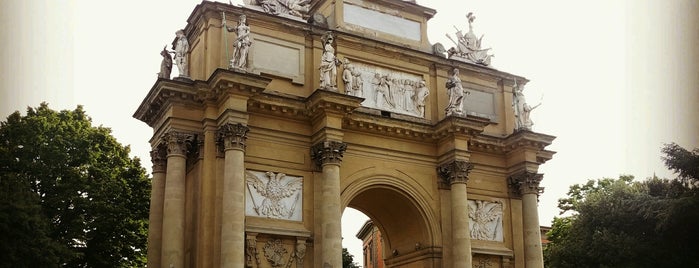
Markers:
{"x": 274, "y": 252}
{"x": 274, "y": 195}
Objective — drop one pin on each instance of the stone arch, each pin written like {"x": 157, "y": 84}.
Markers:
{"x": 400, "y": 208}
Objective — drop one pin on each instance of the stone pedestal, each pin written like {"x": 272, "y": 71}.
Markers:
{"x": 455, "y": 174}
{"x": 328, "y": 155}
{"x": 233, "y": 137}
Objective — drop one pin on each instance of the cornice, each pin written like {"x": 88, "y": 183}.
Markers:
{"x": 323, "y": 102}
{"x": 527, "y": 139}
{"x": 457, "y": 125}
{"x": 365, "y": 120}
{"x": 279, "y": 104}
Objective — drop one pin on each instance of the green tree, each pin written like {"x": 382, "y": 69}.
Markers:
{"x": 71, "y": 195}
{"x": 348, "y": 259}
{"x": 625, "y": 223}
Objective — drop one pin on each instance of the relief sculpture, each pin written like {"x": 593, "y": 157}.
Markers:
{"x": 486, "y": 220}
{"x": 273, "y": 195}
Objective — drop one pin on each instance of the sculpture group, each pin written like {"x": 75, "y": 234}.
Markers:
{"x": 468, "y": 46}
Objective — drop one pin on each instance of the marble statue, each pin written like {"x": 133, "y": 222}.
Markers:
{"x": 181, "y": 53}
{"x": 241, "y": 45}
{"x": 348, "y": 78}
{"x": 420, "y": 97}
{"x": 456, "y": 94}
{"x": 468, "y": 46}
{"x": 166, "y": 64}
{"x": 485, "y": 220}
{"x": 297, "y": 8}
{"x": 275, "y": 193}
{"x": 328, "y": 64}
{"x": 522, "y": 109}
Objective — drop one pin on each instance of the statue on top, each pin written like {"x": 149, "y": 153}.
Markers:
{"x": 242, "y": 43}
{"x": 328, "y": 64}
{"x": 297, "y": 8}
{"x": 522, "y": 109}
{"x": 165, "y": 64}
{"x": 468, "y": 46}
{"x": 182, "y": 53}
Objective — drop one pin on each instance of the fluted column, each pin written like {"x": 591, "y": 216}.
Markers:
{"x": 155, "y": 217}
{"x": 328, "y": 155}
{"x": 527, "y": 184}
{"x": 455, "y": 173}
{"x": 177, "y": 143}
{"x": 233, "y": 137}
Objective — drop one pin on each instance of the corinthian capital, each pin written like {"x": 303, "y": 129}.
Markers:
{"x": 328, "y": 152}
{"x": 159, "y": 158}
{"x": 179, "y": 143}
{"x": 527, "y": 183}
{"x": 233, "y": 136}
{"x": 454, "y": 172}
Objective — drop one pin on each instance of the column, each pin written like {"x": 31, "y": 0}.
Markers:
{"x": 233, "y": 137}
{"x": 155, "y": 217}
{"x": 172, "y": 255}
{"x": 456, "y": 174}
{"x": 527, "y": 184}
{"x": 328, "y": 155}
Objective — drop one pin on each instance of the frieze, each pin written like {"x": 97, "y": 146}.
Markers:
{"x": 274, "y": 195}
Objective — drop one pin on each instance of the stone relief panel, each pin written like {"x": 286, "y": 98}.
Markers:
{"x": 485, "y": 220}
{"x": 486, "y": 261}
{"x": 388, "y": 90}
{"x": 273, "y": 195}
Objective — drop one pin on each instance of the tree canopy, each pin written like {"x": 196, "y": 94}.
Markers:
{"x": 626, "y": 223}
{"x": 348, "y": 259}
{"x": 70, "y": 194}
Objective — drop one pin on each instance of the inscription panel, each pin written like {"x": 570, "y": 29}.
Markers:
{"x": 277, "y": 57}
{"x": 480, "y": 104}
{"x": 375, "y": 20}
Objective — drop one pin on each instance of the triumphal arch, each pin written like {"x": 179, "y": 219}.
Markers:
{"x": 285, "y": 112}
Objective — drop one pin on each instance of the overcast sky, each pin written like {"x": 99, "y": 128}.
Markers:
{"x": 617, "y": 78}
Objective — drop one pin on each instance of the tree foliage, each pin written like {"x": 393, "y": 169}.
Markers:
{"x": 626, "y": 223}
{"x": 348, "y": 259}
{"x": 71, "y": 195}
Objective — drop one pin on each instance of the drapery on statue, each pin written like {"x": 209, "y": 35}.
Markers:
{"x": 521, "y": 108}
{"x": 420, "y": 97}
{"x": 328, "y": 64}
{"x": 166, "y": 64}
{"x": 298, "y": 8}
{"x": 241, "y": 45}
{"x": 468, "y": 46}
{"x": 456, "y": 94}
{"x": 181, "y": 53}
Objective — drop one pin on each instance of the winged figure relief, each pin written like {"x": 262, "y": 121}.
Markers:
{"x": 275, "y": 193}
{"x": 485, "y": 218}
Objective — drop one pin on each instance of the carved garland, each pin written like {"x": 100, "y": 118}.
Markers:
{"x": 328, "y": 152}
{"x": 232, "y": 136}
{"x": 454, "y": 172}
{"x": 526, "y": 183}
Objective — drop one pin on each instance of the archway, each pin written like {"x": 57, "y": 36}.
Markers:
{"x": 403, "y": 219}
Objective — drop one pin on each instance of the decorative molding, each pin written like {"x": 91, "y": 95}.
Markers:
{"x": 526, "y": 183}
{"x": 232, "y": 137}
{"x": 252, "y": 256}
{"x": 158, "y": 156}
{"x": 486, "y": 220}
{"x": 454, "y": 172}
{"x": 274, "y": 195}
{"x": 328, "y": 152}
{"x": 274, "y": 252}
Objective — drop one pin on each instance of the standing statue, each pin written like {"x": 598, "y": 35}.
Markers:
{"x": 456, "y": 94}
{"x": 181, "y": 53}
{"x": 468, "y": 46}
{"x": 522, "y": 109}
{"x": 166, "y": 64}
{"x": 383, "y": 91}
{"x": 241, "y": 45}
{"x": 421, "y": 97}
{"x": 348, "y": 79}
{"x": 328, "y": 64}
{"x": 357, "y": 83}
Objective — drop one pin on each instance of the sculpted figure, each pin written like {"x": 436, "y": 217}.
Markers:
{"x": 469, "y": 46}
{"x": 456, "y": 94}
{"x": 522, "y": 109}
{"x": 242, "y": 43}
{"x": 348, "y": 79}
{"x": 357, "y": 83}
{"x": 383, "y": 91}
{"x": 298, "y": 8}
{"x": 166, "y": 64}
{"x": 328, "y": 64}
{"x": 181, "y": 53}
{"x": 421, "y": 97}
